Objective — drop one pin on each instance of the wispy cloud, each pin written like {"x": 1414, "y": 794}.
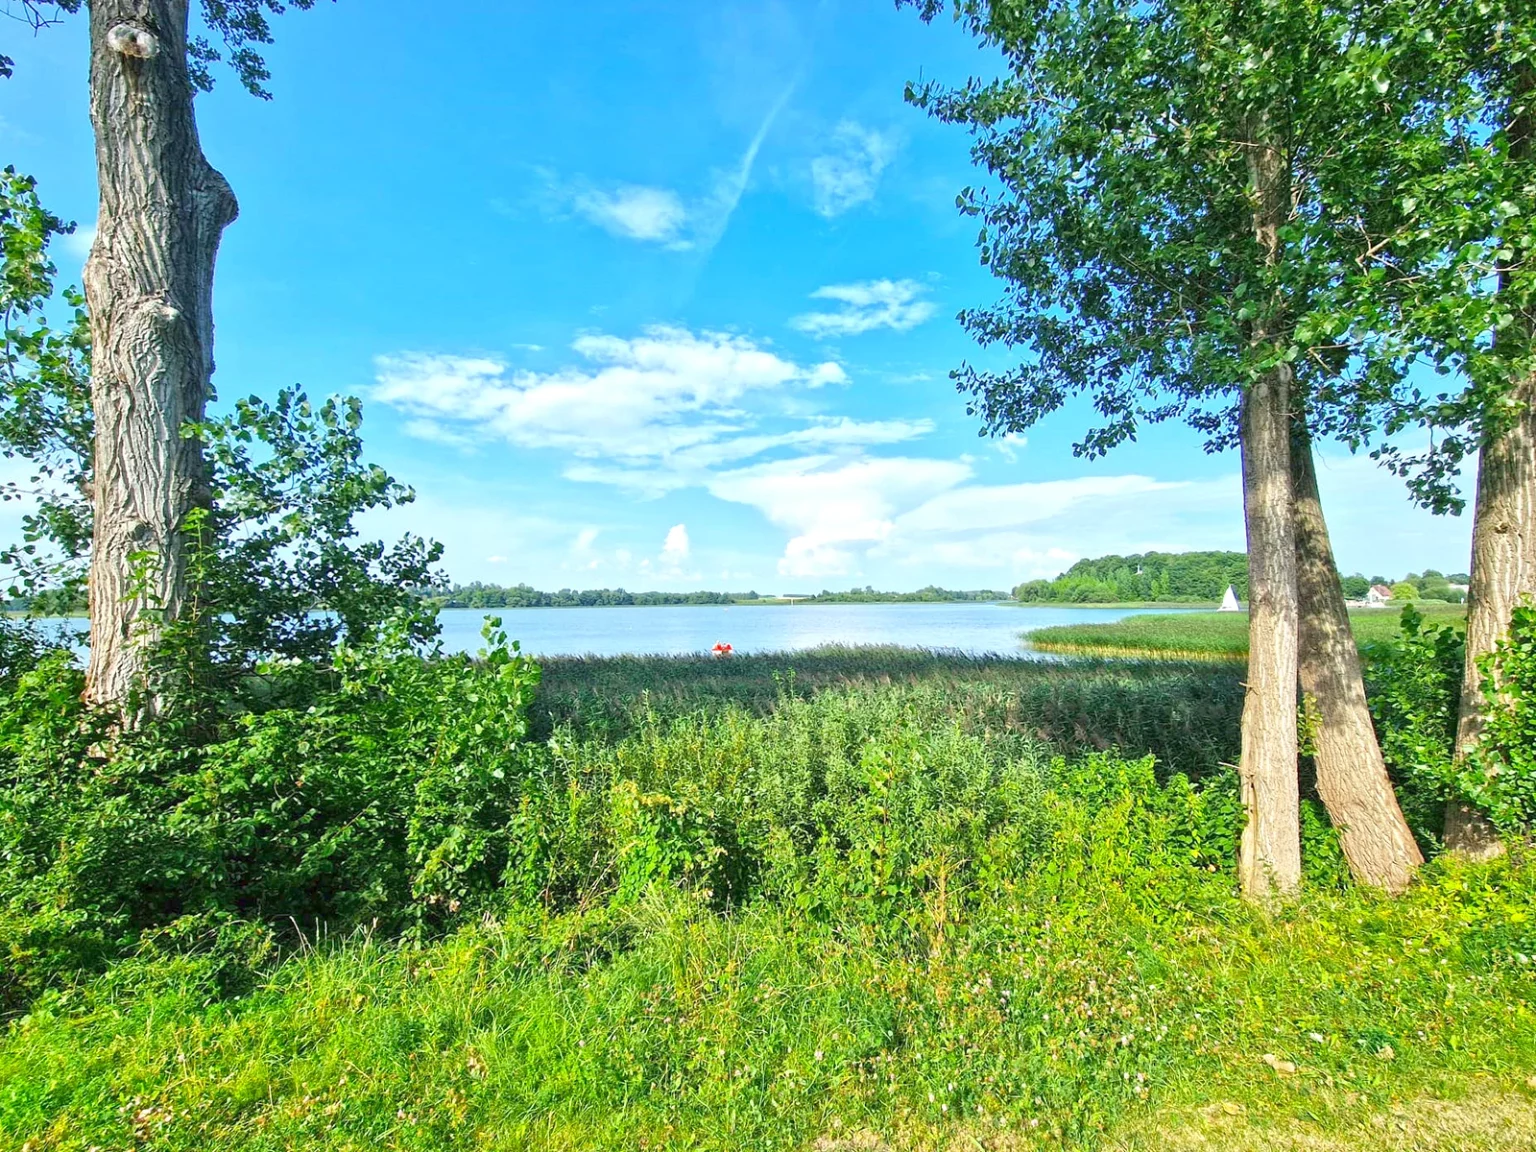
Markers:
{"x": 653, "y": 413}
{"x": 1010, "y": 445}
{"x": 835, "y": 508}
{"x": 636, "y": 213}
{"x": 866, "y": 306}
{"x": 657, "y": 215}
{"x": 731, "y": 186}
{"x": 849, "y": 174}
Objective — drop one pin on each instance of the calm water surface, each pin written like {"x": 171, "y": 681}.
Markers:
{"x": 970, "y": 628}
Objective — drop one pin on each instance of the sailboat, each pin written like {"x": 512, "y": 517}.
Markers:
{"x": 1229, "y": 602}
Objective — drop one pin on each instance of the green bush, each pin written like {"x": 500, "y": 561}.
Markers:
{"x": 375, "y": 793}
{"x": 1501, "y": 776}
{"x": 1414, "y": 688}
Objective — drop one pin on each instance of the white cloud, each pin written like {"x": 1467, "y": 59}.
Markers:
{"x": 866, "y": 305}
{"x": 1010, "y": 445}
{"x": 435, "y": 433}
{"x": 835, "y": 508}
{"x": 915, "y": 513}
{"x": 661, "y": 215}
{"x": 676, "y": 547}
{"x": 652, "y": 414}
{"x": 848, "y": 175}
{"x": 636, "y": 212}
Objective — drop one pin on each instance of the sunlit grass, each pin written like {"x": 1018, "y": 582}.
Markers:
{"x": 1206, "y": 635}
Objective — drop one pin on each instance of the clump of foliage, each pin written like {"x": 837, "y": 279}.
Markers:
{"x": 1415, "y": 692}
{"x": 286, "y": 574}
{"x": 1500, "y": 776}
{"x": 45, "y": 403}
{"x": 372, "y": 790}
{"x": 1147, "y": 576}
{"x": 1414, "y": 689}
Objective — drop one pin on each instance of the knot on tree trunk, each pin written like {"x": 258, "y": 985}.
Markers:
{"x": 132, "y": 40}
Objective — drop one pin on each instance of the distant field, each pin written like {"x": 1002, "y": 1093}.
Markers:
{"x": 1205, "y": 635}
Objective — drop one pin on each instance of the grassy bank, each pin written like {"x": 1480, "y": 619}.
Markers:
{"x": 851, "y": 899}
{"x": 1090, "y": 1003}
{"x": 1221, "y": 636}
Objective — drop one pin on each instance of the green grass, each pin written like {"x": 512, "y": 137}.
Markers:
{"x": 1206, "y": 635}
{"x": 1069, "y": 1012}
{"x": 875, "y": 904}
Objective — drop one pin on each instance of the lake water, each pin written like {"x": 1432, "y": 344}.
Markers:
{"x": 971, "y": 628}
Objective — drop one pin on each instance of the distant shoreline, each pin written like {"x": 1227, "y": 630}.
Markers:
{"x": 1207, "y": 605}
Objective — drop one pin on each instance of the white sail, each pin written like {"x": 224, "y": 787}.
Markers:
{"x": 1229, "y": 601}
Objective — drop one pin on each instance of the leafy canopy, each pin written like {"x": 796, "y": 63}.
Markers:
{"x": 1121, "y": 220}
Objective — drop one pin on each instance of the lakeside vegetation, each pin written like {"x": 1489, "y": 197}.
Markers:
{"x": 866, "y": 897}
{"x": 1209, "y": 635}
{"x": 1150, "y": 578}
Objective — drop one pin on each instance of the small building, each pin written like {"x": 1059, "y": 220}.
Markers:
{"x": 1379, "y": 594}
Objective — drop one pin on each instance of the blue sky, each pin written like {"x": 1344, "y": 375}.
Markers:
{"x": 659, "y": 296}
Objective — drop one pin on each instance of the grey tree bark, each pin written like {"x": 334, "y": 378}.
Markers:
{"x": 1351, "y": 774}
{"x": 149, "y": 284}
{"x": 1269, "y": 856}
{"x": 1503, "y": 533}
{"x": 1503, "y": 571}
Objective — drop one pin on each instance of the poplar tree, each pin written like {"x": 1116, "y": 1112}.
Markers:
{"x": 1187, "y": 188}
{"x": 1461, "y": 269}
{"x": 149, "y": 290}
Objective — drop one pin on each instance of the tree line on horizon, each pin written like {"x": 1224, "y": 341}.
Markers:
{"x": 1203, "y": 577}
{"x": 480, "y": 595}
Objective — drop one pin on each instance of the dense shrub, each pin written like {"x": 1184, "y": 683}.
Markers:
{"x": 1414, "y": 688}
{"x": 375, "y": 792}
{"x": 1501, "y": 778}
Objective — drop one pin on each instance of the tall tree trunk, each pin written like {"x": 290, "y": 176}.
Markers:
{"x": 1351, "y": 774}
{"x": 149, "y": 283}
{"x": 1503, "y": 571}
{"x": 1269, "y": 857}
{"x": 1503, "y": 528}
{"x": 1269, "y": 860}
